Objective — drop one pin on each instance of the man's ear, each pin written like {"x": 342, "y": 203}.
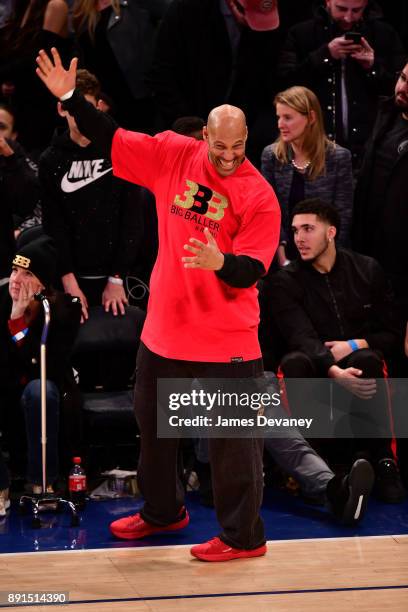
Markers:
{"x": 61, "y": 111}
{"x": 100, "y": 105}
{"x": 331, "y": 232}
{"x": 205, "y": 133}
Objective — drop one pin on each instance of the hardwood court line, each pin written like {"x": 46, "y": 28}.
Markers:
{"x": 293, "y": 566}
{"x": 179, "y": 546}
{"x": 225, "y": 595}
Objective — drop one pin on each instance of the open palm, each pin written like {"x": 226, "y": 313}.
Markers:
{"x": 53, "y": 74}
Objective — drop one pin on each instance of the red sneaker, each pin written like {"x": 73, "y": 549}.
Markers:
{"x": 134, "y": 527}
{"x": 217, "y": 550}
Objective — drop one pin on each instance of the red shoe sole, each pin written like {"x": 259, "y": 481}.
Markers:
{"x": 230, "y": 556}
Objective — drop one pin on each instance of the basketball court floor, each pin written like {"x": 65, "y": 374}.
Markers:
{"x": 312, "y": 563}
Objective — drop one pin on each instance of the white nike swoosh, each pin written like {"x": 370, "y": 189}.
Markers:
{"x": 68, "y": 187}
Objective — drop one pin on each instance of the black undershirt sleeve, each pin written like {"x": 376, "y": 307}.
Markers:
{"x": 240, "y": 271}
{"x": 95, "y": 125}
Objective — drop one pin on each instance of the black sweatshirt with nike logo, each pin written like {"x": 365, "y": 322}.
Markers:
{"x": 93, "y": 216}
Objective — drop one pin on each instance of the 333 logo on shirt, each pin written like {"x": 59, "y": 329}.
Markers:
{"x": 202, "y": 200}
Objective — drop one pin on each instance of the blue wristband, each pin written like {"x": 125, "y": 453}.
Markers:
{"x": 353, "y": 345}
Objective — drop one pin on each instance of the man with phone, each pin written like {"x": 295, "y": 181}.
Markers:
{"x": 347, "y": 54}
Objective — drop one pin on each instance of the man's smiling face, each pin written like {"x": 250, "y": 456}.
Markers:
{"x": 226, "y": 146}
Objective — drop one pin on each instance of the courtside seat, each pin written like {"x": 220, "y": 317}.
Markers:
{"x": 104, "y": 356}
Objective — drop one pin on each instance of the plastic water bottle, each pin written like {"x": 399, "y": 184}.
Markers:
{"x": 77, "y": 484}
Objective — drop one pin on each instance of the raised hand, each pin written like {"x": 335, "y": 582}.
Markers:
{"x": 26, "y": 294}
{"x": 53, "y": 74}
{"x": 206, "y": 256}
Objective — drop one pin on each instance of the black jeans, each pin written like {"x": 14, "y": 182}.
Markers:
{"x": 31, "y": 403}
{"x": 300, "y": 365}
{"x": 236, "y": 464}
{"x": 4, "y": 477}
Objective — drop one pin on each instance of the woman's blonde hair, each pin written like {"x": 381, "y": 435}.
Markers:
{"x": 86, "y": 14}
{"x": 315, "y": 141}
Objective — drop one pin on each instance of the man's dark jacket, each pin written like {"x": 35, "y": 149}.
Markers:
{"x": 305, "y": 60}
{"x": 352, "y": 301}
{"x": 193, "y": 64}
{"x": 379, "y": 226}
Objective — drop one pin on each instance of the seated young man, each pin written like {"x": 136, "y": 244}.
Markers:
{"x": 91, "y": 215}
{"x": 334, "y": 311}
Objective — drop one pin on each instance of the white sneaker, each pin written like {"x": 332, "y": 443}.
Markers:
{"x": 4, "y": 502}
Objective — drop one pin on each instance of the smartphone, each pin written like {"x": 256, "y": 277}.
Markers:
{"x": 354, "y": 36}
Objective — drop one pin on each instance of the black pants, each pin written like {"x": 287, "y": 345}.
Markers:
{"x": 4, "y": 477}
{"x": 236, "y": 464}
{"x": 300, "y": 365}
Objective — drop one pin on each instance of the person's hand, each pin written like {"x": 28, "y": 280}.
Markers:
{"x": 349, "y": 378}
{"x": 5, "y": 148}
{"x": 339, "y": 349}
{"x": 364, "y": 55}
{"x": 26, "y": 294}
{"x": 53, "y": 74}
{"x": 114, "y": 297}
{"x": 206, "y": 256}
{"x": 340, "y": 48}
{"x": 70, "y": 284}
{"x": 7, "y": 89}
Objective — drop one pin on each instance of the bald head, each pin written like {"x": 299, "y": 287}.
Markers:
{"x": 226, "y": 133}
{"x": 232, "y": 116}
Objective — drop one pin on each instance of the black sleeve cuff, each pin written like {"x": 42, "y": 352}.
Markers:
{"x": 240, "y": 270}
{"x": 95, "y": 125}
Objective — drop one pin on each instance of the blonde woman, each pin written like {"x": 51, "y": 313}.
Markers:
{"x": 303, "y": 163}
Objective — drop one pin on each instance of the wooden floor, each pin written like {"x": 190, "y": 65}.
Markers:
{"x": 330, "y": 575}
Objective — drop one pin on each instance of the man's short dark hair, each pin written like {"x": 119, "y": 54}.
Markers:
{"x": 322, "y": 210}
{"x": 87, "y": 83}
{"x": 187, "y": 125}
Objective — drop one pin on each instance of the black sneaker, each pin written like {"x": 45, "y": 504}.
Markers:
{"x": 388, "y": 484}
{"x": 348, "y": 495}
